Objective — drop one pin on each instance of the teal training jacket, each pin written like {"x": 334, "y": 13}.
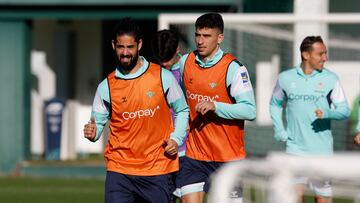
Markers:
{"x": 300, "y": 95}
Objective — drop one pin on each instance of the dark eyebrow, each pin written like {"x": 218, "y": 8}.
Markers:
{"x": 129, "y": 46}
{"x": 205, "y": 35}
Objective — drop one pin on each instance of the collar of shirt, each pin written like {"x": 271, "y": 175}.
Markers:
{"x": 210, "y": 61}
{"x": 300, "y": 71}
{"x": 141, "y": 70}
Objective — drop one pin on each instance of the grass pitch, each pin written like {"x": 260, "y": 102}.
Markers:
{"x": 54, "y": 190}
{"x": 66, "y": 190}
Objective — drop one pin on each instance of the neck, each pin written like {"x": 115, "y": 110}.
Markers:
{"x": 204, "y": 58}
{"x": 306, "y": 69}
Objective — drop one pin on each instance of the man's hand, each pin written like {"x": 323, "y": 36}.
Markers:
{"x": 204, "y": 106}
{"x": 171, "y": 147}
{"x": 90, "y": 130}
{"x": 357, "y": 139}
{"x": 319, "y": 114}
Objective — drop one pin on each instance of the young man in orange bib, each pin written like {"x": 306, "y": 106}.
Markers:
{"x": 136, "y": 99}
{"x": 220, "y": 98}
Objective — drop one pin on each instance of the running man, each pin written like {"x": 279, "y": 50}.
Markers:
{"x": 136, "y": 98}
{"x": 312, "y": 96}
{"x": 220, "y": 98}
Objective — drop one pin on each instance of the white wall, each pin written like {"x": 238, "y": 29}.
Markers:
{"x": 266, "y": 74}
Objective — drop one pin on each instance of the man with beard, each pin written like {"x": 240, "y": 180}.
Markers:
{"x": 136, "y": 99}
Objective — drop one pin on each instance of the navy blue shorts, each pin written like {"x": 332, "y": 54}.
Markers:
{"x": 196, "y": 177}
{"x": 128, "y": 188}
{"x": 178, "y": 178}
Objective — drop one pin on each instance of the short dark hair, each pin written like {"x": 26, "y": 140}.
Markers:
{"x": 210, "y": 20}
{"x": 164, "y": 45}
{"x": 306, "y": 44}
{"x": 127, "y": 26}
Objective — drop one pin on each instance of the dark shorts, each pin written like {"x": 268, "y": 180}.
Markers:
{"x": 196, "y": 177}
{"x": 195, "y": 174}
{"x": 128, "y": 188}
{"x": 178, "y": 178}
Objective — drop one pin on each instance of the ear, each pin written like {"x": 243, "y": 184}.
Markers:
{"x": 220, "y": 38}
{"x": 177, "y": 50}
{"x": 139, "y": 44}
{"x": 305, "y": 55}
{"x": 113, "y": 44}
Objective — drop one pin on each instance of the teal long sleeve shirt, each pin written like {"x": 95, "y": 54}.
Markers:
{"x": 300, "y": 95}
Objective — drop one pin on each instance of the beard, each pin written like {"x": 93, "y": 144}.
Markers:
{"x": 128, "y": 66}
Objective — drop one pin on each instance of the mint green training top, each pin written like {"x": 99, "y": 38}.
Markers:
{"x": 301, "y": 95}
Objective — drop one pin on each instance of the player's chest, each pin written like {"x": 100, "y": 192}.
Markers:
{"x": 308, "y": 87}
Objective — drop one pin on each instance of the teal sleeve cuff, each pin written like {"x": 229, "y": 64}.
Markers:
{"x": 181, "y": 122}
{"x": 326, "y": 113}
{"x": 100, "y": 120}
{"x": 244, "y": 110}
{"x": 176, "y": 139}
{"x": 281, "y": 136}
{"x": 99, "y": 130}
{"x": 339, "y": 113}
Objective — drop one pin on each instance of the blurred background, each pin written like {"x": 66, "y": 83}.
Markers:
{"x": 54, "y": 53}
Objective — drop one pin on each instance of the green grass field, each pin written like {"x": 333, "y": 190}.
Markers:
{"x": 54, "y": 190}
{"x": 72, "y": 190}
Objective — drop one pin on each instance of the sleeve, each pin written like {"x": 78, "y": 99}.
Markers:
{"x": 341, "y": 110}
{"x": 276, "y": 109}
{"x": 181, "y": 68}
{"x": 176, "y": 100}
{"x": 101, "y": 108}
{"x": 238, "y": 81}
